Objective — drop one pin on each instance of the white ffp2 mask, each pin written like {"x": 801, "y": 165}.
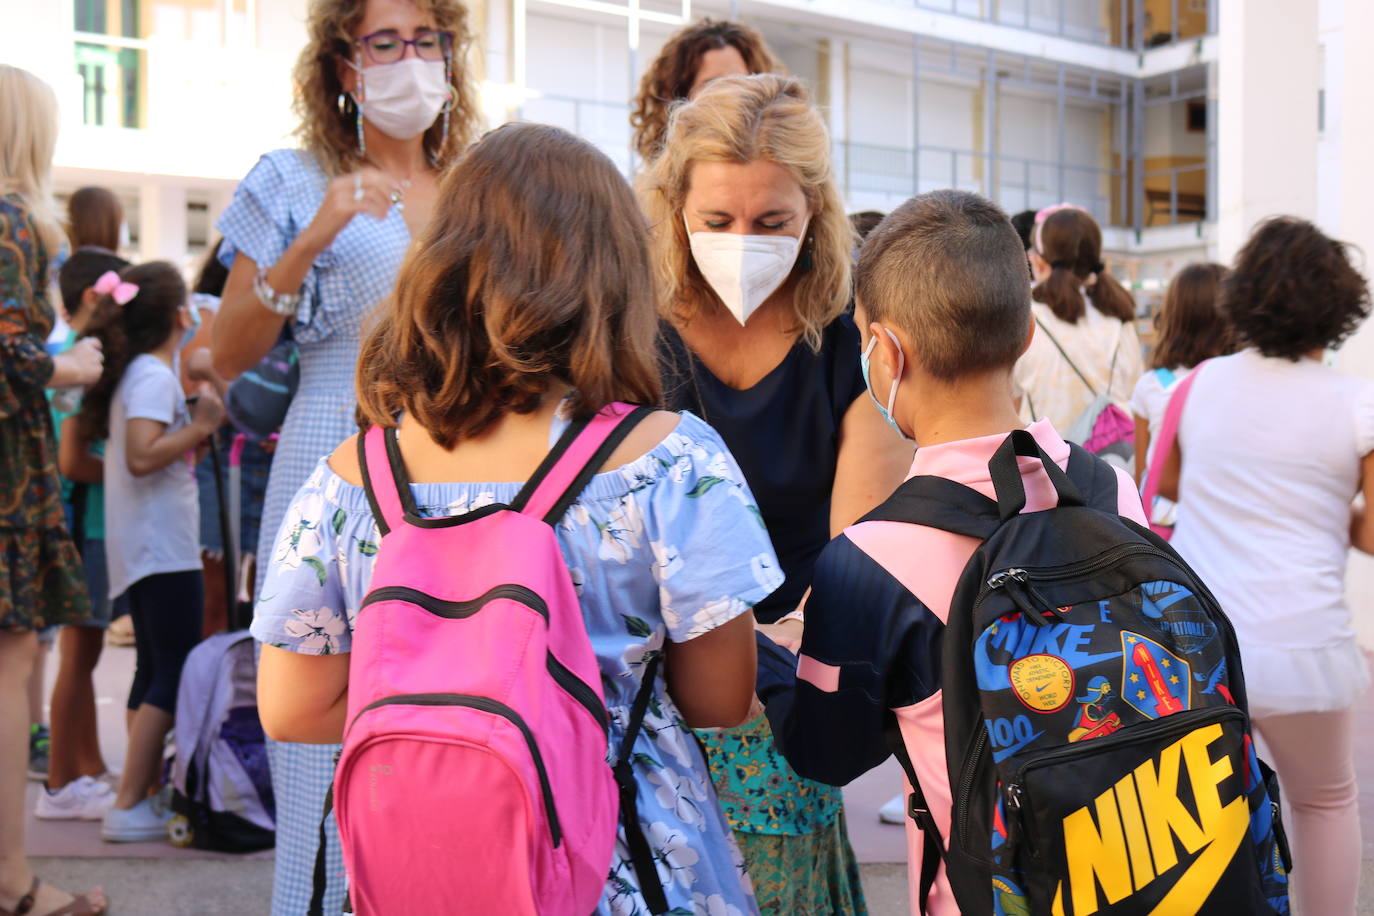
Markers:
{"x": 403, "y": 99}
{"x": 744, "y": 270}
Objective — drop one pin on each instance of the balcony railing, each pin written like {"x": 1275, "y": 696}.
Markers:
{"x": 1135, "y": 24}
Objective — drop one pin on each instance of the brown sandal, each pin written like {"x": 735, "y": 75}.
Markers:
{"x": 81, "y": 905}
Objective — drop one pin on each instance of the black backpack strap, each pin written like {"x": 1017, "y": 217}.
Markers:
{"x": 939, "y": 503}
{"x": 1006, "y": 475}
{"x": 933, "y": 848}
{"x": 321, "y": 878}
{"x": 1095, "y": 479}
{"x": 641, "y": 856}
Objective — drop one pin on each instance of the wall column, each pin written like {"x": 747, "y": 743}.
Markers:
{"x": 1267, "y": 122}
{"x": 162, "y": 223}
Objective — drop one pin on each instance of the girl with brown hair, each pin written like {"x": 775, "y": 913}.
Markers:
{"x": 1191, "y": 328}
{"x": 313, "y": 239}
{"x": 691, "y": 58}
{"x": 95, "y": 218}
{"x": 528, "y": 304}
{"x": 1085, "y": 344}
{"x": 753, "y": 252}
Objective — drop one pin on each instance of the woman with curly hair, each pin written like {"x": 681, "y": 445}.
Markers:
{"x": 753, "y": 252}
{"x": 691, "y": 58}
{"x": 314, "y": 239}
{"x": 1272, "y": 450}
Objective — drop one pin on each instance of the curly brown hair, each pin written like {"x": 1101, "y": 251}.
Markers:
{"x": 670, "y": 77}
{"x": 1191, "y": 325}
{"x": 535, "y": 269}
{"x": 330, "y": 131}
{"x": 1293, "y": 290}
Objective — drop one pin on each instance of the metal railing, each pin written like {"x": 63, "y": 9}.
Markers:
{"x": 1174, "y": 203}
{"x": 1118, "y": 23}
{"x": 886, "y": 175}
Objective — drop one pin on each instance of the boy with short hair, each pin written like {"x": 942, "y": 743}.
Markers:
{"x": 943, "y": 307}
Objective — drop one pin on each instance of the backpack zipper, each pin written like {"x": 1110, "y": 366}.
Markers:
{"x": 485, "y": 704}
{"x": 980, "y": 745}
{"x": 461, "y": 610}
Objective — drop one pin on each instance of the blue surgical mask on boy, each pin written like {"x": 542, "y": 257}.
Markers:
{"x": 892, "y": 393}
{"x": 190, "y": 333}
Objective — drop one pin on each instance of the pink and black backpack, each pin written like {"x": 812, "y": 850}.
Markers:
{"x": 473, "y": 776}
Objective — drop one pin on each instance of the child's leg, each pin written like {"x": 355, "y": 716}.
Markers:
{"x": 1314, "y": 756}
{"x": 167, "y": 618}
{"x": 75, "y": 737}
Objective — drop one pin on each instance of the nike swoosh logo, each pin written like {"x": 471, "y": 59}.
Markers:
{"x": 1041, "y": 687}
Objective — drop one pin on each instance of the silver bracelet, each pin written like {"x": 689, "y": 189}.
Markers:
{"x": 283, "y": 304}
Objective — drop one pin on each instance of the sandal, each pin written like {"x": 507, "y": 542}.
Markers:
{"x": 81, "y": 905}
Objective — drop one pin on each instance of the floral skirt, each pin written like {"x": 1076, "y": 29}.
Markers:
{"x": 791, "y": 830}
{"x": 42, "y": 581}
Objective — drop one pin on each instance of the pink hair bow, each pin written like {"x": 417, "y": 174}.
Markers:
{"x": 110, "y": 285}
{"x": 1045, "y": 214}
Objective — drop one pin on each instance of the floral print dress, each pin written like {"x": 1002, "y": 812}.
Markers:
{"x": 669, "y": 546}
{"x": 41, "y": 578}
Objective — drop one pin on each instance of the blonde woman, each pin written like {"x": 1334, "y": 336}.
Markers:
{"x": 314, "y": 239}
{"x": 41, "y": 583}
{"x": 753, "y": 252}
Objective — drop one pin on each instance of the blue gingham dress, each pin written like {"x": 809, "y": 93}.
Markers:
{"x": 271, "y": 206}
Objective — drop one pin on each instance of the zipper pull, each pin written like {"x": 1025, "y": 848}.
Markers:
{"x": 1015, "y": 582}
{"x": 1012, "y": 807}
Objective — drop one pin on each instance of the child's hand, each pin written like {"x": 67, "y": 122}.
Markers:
{"x": 787, "y": 634}
{"x": 208, "y": 411}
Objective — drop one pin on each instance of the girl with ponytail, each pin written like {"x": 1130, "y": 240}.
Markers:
{"x": 1085, "y": 346}
{"x": 152, "y": 549}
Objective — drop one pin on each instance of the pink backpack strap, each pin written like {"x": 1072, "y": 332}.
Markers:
{"x": 379, "y": 479}
{"x": 1164, "y": 444}
{"x": 579, "y": 454}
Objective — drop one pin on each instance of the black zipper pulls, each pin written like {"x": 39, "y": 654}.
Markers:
{"x": 1012, "y": 807}
{"x": 1033, "y": 606}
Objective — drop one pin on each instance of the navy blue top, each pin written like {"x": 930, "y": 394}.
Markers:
{"x": 785, "y": 434}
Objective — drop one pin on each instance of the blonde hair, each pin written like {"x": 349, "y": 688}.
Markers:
{"x": 28, "y": 139}
{"x": 745, "y": 119}
{"x": 329, "y": 130}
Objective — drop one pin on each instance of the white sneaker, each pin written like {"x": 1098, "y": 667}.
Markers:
{"x": 145, "y": 821}
{"x": 894, "y": 812}
{"x": 83, "y": 799}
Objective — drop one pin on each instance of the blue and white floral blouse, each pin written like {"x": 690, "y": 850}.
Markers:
{"x": 668, "y": 546}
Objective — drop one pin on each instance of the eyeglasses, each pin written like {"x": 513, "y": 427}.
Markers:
{"x": 388, "y": 47}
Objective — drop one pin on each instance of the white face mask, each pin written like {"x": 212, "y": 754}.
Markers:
{"x": 402, "y": 99}
{"x": 744, "y": 270}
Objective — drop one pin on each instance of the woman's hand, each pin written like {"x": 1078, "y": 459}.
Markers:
{"x": 78, "y": 367}
{"x": 367, "y": 190}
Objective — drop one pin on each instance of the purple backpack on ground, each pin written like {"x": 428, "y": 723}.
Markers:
{"x": 221, "y": 783}
{"x": 473, "y": 776}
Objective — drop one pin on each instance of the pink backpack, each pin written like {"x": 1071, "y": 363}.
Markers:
{"x": 473, "y": 776}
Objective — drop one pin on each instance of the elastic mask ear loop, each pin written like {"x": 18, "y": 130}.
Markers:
{"x": 896, "y": 378}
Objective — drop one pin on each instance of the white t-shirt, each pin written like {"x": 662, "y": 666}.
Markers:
{"x": 1271, "y": 463}
{"x": 1151, "y": 397}
{"x": 1048, "y": 386}
{"x": 152, "y": 523}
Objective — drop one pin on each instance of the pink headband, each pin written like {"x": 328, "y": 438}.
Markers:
{"x": 1045, "y": 214}
{"x": 110, "y": 285}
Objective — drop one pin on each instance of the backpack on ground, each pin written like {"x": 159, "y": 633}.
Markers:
{"x": 1097, "y": 740}
{"x": 473, "y": 776}
{"x": 221, "y": 782}
{"x": 1103, "y": 428}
